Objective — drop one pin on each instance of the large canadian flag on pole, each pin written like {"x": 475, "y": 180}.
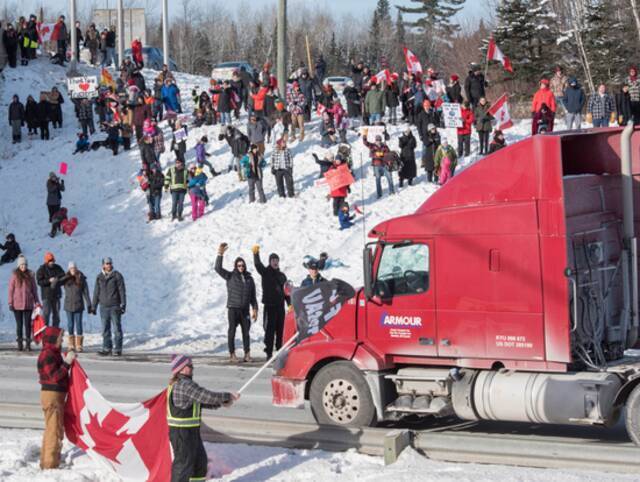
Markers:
{"x": 500, "y": 111}
{"x": 130, "y": 439}
{"x": 413, "y": 64}
{"x": 494, "y": 53}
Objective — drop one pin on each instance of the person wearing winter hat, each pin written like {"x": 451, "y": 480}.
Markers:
{"x": 498, "y": 141}
{"x": 23, "y": 297}
{"x": 185, "y": 399}
{"x": 242, "y": 305}
{"x": 273, "y": 299}
{"x": 11, "y": 248}
{"x": 454, "y": 89}
{"x": 543, "y": 96}
{"x": 76, "y": 298}
{"x": 314, "y": 276}
{"x": 49, "y": 277}
{"x": 110, "y": 293}
{"x": 55, "y": 187}
{"x": 53, "y": 372}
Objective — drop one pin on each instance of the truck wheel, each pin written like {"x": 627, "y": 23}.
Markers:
{"x": 633, "y": 415}
{"x": 340, "y": 395}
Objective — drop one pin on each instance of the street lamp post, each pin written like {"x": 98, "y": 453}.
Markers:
{"x": 282, "y": 47}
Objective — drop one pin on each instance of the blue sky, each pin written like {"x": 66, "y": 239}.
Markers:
{"x": 473, "y": 9}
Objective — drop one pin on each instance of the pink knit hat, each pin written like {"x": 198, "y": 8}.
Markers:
{"x": 178, "y": 362}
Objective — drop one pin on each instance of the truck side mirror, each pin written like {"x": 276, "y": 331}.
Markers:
{"x": 367, "y": 257}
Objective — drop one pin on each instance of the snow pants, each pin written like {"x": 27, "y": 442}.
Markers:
{"x": 189, "y": 456}
{"x": 53, "y": 409}
{"x": 197, "y": 206}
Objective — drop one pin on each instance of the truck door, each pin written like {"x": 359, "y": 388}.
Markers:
{"x": 401, "y": 314}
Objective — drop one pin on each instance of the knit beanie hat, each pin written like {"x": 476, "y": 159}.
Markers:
{"x": 21, "y": 261}
{"x": 273, "y": 256}
{"x": 48, "y": 256}
{"x": 178, "y": 362}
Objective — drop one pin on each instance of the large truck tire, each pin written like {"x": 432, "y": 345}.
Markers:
{"x": 633, "y": 415}
{"x": 339, "y": 395}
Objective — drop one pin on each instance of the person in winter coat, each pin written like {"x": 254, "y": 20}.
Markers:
{"x": 202, "y": 154}
{"x": 543, "y": 96}
{"x": 147, "y": 154}
{"x": 49, "y": 277}
{"x": 407, "y": 144}
{"x": 53, "y": 374}
{"x": 339, "y": 194}
{"x": 23, "y": 297}
{"x": 558, "y": 84}
{"x": 226, "y": 102}
{"x": 327, "y": 94}
{"x": 352, "y": 96}
{"x": 252, "y": 165}
{"x": 445, "y": 170}
{"x": 377, "y": 151}
{"x": 241, "y": 297}
{"x": 430, "y": 144}
{"x": 313, "y": 277}
{"x": 573, "y": 100}
{"x": 176, "y": 181}
{"x": 464, "y": 132}
{"x": 273, "y": 300}
{"x": 601, "y": 107}
{"x": 426, "y": 116}
{"x": 43, "y": 116}
{"x": 374, "y": 103}
{"x": 623, "y": 106}
{"x": 474, "y": 85}
{"x": 498, "y": 142}
{"x": 483, "y": 124}
{"x": 239, "y": 143}
{"x": 633, "y": 81}
{"x": 141, "y": 112}
{"x": 156, "y": 183}
{"x": 92, "y": 42}
{"x": 185, "y": 399}
{"x": 344, "y": 218}
{"x": 454, "y": 90}
{"x": 110, "y": 294}
{"x": 76, "y": 299}
{"x": 55, "y": 101}
{"x": 256, "y": 132}
{"x": 179, "y": 140}
{"x": 296, "y": 105}
{"x": 306, "y": 87}
{"x": 392, "y": 100}
{"x": 56, "y": 221}
{"x": 327, "y": 131}
{"x": 171, "y": 96}
{"x": 11, "y": 249}
{"x": 31, "y": 115}
{"x": 55, "y": 187}
{"x": 542, "y": 120}
{"x": 282, "y": 169}
{"x": 82, "y": 144}
{"x": 16, "y": 118}
{"x": 136, "y": 53}
{"x": 85, "y": 116}
{"x": 10, "y": 43}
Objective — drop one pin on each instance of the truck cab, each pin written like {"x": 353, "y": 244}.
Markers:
{"x": 510, "y": 294}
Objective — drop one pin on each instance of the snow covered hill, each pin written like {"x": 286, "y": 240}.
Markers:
{"x": 176, "y": 302}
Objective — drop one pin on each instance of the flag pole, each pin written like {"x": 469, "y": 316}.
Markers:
{"x": 486, "y": 60}
{"x": 263, "y": 367}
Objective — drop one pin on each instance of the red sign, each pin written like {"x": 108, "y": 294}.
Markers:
{"x": 339, "y": 177}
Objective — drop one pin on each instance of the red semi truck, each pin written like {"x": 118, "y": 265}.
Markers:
{"x": 510, "y": 294}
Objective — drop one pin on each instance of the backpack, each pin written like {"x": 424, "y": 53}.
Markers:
{"x": 392, "y": 161}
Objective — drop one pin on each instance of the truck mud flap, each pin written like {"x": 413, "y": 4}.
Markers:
{"x": 287, "y": 392}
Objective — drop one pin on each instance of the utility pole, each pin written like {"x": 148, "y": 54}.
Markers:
{"x": 120, "y": 33}
{"x": 282, "y": 47}
{"x": 165, "y": 32}
{"x": 73, "y": 69}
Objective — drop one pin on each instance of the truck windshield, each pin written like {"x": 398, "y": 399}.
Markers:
{"x": 404, "y": 268}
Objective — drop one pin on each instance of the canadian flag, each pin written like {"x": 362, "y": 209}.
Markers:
{"x": 38, "y": 324}
{"x": 130, "y": 439}
{"x": 500, "y": 111}
{"x": 494, "y": 53}
{"x": 48, "y": 32}
{"x": 413, "y": 64}
{"x": 383, "y": 76}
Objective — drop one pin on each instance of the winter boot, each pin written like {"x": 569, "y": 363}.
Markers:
{"x": 71, "y": 343}
{"x": 28, "y": 344}
{"x": 79, "y": 339}
{"x": 20, "y": 347}
{"x": 233, "y": 358}
{"x": 247, "y": 356}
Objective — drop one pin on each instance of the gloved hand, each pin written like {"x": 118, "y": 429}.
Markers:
{"x": 222, "y": 248}
{"x": 10, "y": 307}
{"x": 255, "y": 249}
{"x": 69, "y": 357}
{"x": 122, "y": 309}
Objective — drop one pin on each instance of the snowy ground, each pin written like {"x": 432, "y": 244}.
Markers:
{"x": 20, "y": 451}
{"x": 175, "y": 300}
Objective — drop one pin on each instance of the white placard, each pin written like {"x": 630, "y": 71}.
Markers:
{"x": 83, "y": 87}
{"x": 180, "y": 134}
{"x": 452, "y": 115}
{"x": 372, "y": 132}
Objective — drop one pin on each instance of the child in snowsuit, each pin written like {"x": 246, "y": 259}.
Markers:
{"x": 11, "y": 248}
{"x": 198, "y": 192}
{"x": 56, "y": 221}
{"x": 82, "y": 144}
{"x": 344, "y": 217}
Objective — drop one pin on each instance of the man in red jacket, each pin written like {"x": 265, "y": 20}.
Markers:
{"x": 464, "y": 132}
{"x": 544, "y": 96}
{"x": 53, "y": 371}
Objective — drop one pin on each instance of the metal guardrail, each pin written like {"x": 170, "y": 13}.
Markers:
{"x": 447, "y": 446}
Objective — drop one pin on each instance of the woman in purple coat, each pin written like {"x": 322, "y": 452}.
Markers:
{"x": 23, "y": 297}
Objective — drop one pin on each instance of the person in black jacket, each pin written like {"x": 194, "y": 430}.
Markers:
{"x": 273, "y": 299}
{"x": 43, "y": 116}
{"x": 241, "y": 296}
{"x": 10, "y": 42}
{"x": 31, "y": 115}
{"x": 156, "y": 183}
{"x": 49, "y": 277}
{"x": 239, "y": 144}
{"x": 408, "y": 168}
{"x": 55, "y": 186}
{"x": 474, "y": 85}
{"x": 11, "y": 249}
{"x": 392, "y": 98}
{"x": 110, "y": 293}
{"x": 454, "y": 90}
{"x": 76, "y": 299}
{"x": 16, "y": 118}
{"x": 623, "y": 105}
{"x": 352, "y": 96}
{"x": 430, "y": 144}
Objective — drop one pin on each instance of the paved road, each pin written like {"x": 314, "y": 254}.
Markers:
{"x": 137, "y": 377}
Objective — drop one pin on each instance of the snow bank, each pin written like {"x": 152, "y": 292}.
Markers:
{"x": 175, "y": 300}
